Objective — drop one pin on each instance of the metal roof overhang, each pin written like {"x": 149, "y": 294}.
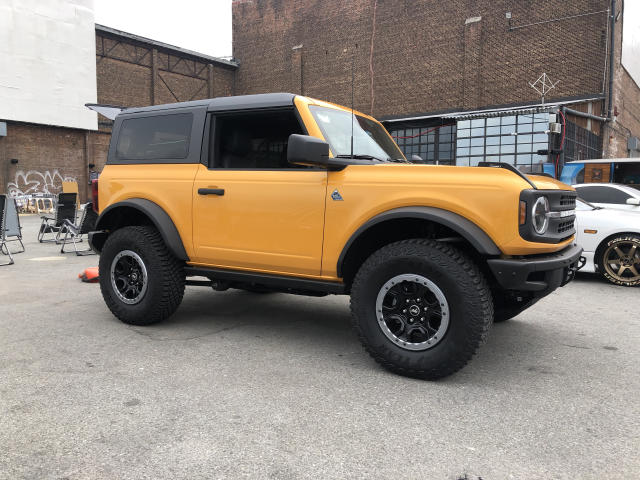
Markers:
{"x": 606, "y": 160}
{"x": 494, "y": 112}
{"x": 165, "y": 46}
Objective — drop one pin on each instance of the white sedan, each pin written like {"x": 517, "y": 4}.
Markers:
{"x": 611, "y": 242}
{"x": 610, "y": 195}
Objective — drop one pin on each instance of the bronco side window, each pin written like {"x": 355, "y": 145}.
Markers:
{"x": 256, "y": 140}
{"x": 155, "y": 137}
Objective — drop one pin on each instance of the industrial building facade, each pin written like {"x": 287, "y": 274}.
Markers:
{"x": 129, "y": 71}
{"x": 451, "y": 80}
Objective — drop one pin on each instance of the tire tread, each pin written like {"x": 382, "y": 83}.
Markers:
{"x": 480, "y": 325}
{"x": 171, "y": 273}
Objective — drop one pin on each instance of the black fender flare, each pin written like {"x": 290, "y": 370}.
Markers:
{"x": 160, "y": 219}
{"x": 464, "y": 227}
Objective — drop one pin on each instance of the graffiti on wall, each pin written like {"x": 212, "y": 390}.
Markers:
{"x": 34, "y": 181}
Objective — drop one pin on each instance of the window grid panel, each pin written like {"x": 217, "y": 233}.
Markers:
{"x": 495, "y": 139}
{"x": 432, "y": 145}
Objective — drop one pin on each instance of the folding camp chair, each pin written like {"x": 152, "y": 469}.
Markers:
{"x": 73, "y": 233}
{"x": 65, "y": 210}
{"x": 3, "y": 216}
{"x": 10, "y": 229}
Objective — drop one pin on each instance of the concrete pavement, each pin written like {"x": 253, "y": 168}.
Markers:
{"x": 241, "y": 385}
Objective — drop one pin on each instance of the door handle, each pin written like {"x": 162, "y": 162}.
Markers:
{"x": 211, "y": 191}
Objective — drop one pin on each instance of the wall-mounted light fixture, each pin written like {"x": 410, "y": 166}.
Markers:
{"x": 13, "y": 161}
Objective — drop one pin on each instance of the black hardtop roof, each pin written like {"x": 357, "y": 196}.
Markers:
{"x": 239, "y": 102}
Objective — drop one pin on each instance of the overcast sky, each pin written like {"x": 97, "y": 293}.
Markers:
{"x": 200, "y": 25}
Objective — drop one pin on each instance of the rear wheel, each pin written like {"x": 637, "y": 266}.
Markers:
{"x": 619, "y": 260}
{"x": 421, "y": 308}
{"x": 141, "y": 281}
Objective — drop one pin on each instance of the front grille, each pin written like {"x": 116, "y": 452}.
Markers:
{"x": 562, "y": 204}
{"x": 565, "y": 226}
{"x": 568, "y": 201}
{"x": 561, "y": 200}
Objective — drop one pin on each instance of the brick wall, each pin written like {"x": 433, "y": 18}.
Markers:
{"x": 47, "y": 156}
{"x": 129, "y": 73}
{"x": 132, "y": 73}
{"x": 626, "y": 100}
{"x": 406, "y": 57}
{"x": 425, "y": 56}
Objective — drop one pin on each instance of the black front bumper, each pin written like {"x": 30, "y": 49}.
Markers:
{"x": 538, "y": 273}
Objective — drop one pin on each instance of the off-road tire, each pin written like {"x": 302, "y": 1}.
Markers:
{"x": 466, "y": 291}
{"x": 622, "y": 240}
{"x": 166, "y": 278}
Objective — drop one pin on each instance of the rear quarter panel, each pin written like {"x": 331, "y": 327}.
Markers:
{"x": 168, "y": 185}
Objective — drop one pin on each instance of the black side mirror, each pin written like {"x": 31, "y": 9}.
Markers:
{"x": 307, "y": 150}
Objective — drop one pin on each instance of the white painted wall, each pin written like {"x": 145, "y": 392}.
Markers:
{"x": 48, "y": 62}
{"x": 631, "y": 39}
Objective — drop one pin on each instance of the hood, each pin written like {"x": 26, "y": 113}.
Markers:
{"x": 629, "y": 218}
{"x": 548, "y": 183}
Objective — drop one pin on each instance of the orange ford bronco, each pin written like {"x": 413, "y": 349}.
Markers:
{"x": 285, "y": 193}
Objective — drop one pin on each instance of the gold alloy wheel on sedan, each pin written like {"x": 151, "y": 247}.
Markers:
{"x": 621, "y": 260}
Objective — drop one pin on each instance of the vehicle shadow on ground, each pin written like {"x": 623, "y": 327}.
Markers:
{"x": 204, "y": 313}
{"x": 515, "y": 348}
{"x": 596, "y": 278}
{"x": 591, "y": 278}
{"x": 523, "y": 346}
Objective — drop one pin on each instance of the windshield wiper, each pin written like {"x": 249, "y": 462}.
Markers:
{"x": 361, "y": 157}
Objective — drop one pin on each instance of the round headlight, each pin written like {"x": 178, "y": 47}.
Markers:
{"x": 539, "y": 215}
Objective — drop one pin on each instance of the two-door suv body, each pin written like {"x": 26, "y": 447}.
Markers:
{"x": 279, "y": 192}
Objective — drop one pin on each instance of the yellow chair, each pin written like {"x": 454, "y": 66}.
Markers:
{"x": 72, "y": 187}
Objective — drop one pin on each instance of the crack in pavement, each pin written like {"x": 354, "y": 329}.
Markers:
{"x": 150, "y": 335}
{"x": 576, "y": 346}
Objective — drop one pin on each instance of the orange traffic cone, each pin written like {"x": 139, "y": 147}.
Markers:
{"x": 90, "y": 275}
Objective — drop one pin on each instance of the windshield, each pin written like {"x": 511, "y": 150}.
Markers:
{"x": 369, "y": 137}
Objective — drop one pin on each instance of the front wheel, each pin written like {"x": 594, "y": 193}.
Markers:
{"x": 141, "y": 281}
{"x": 421, "y": 308}
{"x": 619, "y": 260}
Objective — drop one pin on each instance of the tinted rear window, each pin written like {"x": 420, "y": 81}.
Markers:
{"x": 154, "y": 138}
